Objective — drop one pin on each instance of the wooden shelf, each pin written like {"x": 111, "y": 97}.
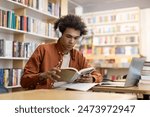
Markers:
{"x": 115, "y": 33}
{"x": 10, "y": 87}
{"x": 120, "y": 44}
{"x": 34, "y": 35}
{"x": 91, "y": 56}
{"x": 112, "y": 23}
{"x": 14, "y": 58}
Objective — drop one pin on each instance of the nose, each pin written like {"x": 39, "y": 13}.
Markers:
{"x": 72, "y": 40}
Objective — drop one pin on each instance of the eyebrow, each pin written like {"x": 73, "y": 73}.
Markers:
{"x": 73, "y": 36}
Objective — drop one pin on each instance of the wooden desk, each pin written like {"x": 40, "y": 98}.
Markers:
{"x": 47, "y": 94}
{"x": 135, "y": 90}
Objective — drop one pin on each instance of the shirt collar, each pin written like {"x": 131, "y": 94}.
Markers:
{"x": 60, "y": 50}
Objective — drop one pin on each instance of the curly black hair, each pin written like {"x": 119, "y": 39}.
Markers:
{"x": 70, "y": 21}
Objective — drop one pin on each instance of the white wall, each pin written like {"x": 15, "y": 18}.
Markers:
{"x": 145, "y": 32}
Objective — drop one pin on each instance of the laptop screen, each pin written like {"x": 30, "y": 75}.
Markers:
{"x": 134, "y": 72}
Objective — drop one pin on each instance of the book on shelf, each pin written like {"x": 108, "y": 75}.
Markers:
{"x": 145, "y": 77}
{"x": 10, "y": 76}
{"x": 106, "y": 50}
{"x": 1, "y": 76}
{"x": 127, "y": 50}
{"x": 8, "y": 44}
{"x": 146, "y": 69}
{"x": 147, "y": 63}
{"x": 144, "y": 84}
{"x": 4, "y": 45}
{"x": 119, "y": 50}
{"x": 53, "y": 8}
{"x": 1, "y": 47}
{"x": 146, "y": 72}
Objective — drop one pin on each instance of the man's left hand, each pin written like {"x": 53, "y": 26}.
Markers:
{"x": 85, "y": 79}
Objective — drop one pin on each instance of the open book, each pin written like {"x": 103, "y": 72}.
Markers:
{"x": 71, "y": 74}
{"x": 74, "y": 86}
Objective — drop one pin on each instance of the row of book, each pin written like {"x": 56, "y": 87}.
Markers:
{"x": 88, "y": 40}
{"x": 104, "y": 63}
{"x": 111, "y": 63}
{"x": 111, "y": 18}
{"x": 16, "y": 48}
{"x": 121, "y": 50}
{"x": 113, "y": 40}
{"x": 10, "y": 77}
{"x": 86, "y": 49}
{"x": 52, "y": 8}
{"x": 85, "y": 45}
{"x": 121, "y": 28}
{"x": 10, "y": 20}
{"x": 127, "y": 50}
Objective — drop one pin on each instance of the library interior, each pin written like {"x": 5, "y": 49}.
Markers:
{"x": 117, "y": 32}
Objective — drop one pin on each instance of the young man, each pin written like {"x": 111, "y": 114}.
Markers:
{"x": 42, "y": 68}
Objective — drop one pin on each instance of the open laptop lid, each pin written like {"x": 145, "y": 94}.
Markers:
{"x": 134, "y": 72}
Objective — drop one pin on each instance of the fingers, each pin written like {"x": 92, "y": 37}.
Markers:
{"x": 85, "y": 80}
{"x": 52, "y": 74}
{"x": 57, "y": 70}
{"x": 86, "y": 76}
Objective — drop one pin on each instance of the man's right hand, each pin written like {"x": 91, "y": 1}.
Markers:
{"x": 51, "y": 74}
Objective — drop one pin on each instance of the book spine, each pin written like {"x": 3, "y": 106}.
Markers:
{"x": 1, "y": 77}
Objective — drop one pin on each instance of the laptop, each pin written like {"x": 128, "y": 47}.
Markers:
{"x": 133, "y": 75}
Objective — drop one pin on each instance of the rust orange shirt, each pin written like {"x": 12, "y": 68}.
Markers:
{"x": 46, "y": 57}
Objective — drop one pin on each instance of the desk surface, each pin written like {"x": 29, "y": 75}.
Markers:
{"x": 47, "y": 94}
{"x": 121, "y": 89}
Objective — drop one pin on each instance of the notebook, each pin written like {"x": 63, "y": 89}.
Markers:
{"x": 133, "y": 75}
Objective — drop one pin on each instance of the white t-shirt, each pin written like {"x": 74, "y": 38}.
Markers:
{"x": 66, "y": 60}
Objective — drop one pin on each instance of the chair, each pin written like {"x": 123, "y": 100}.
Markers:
{"x": 3, "y": 89}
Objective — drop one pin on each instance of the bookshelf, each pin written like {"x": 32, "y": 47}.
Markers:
{"x": 113, "y": 39}
{"x": 21, "y": 22}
